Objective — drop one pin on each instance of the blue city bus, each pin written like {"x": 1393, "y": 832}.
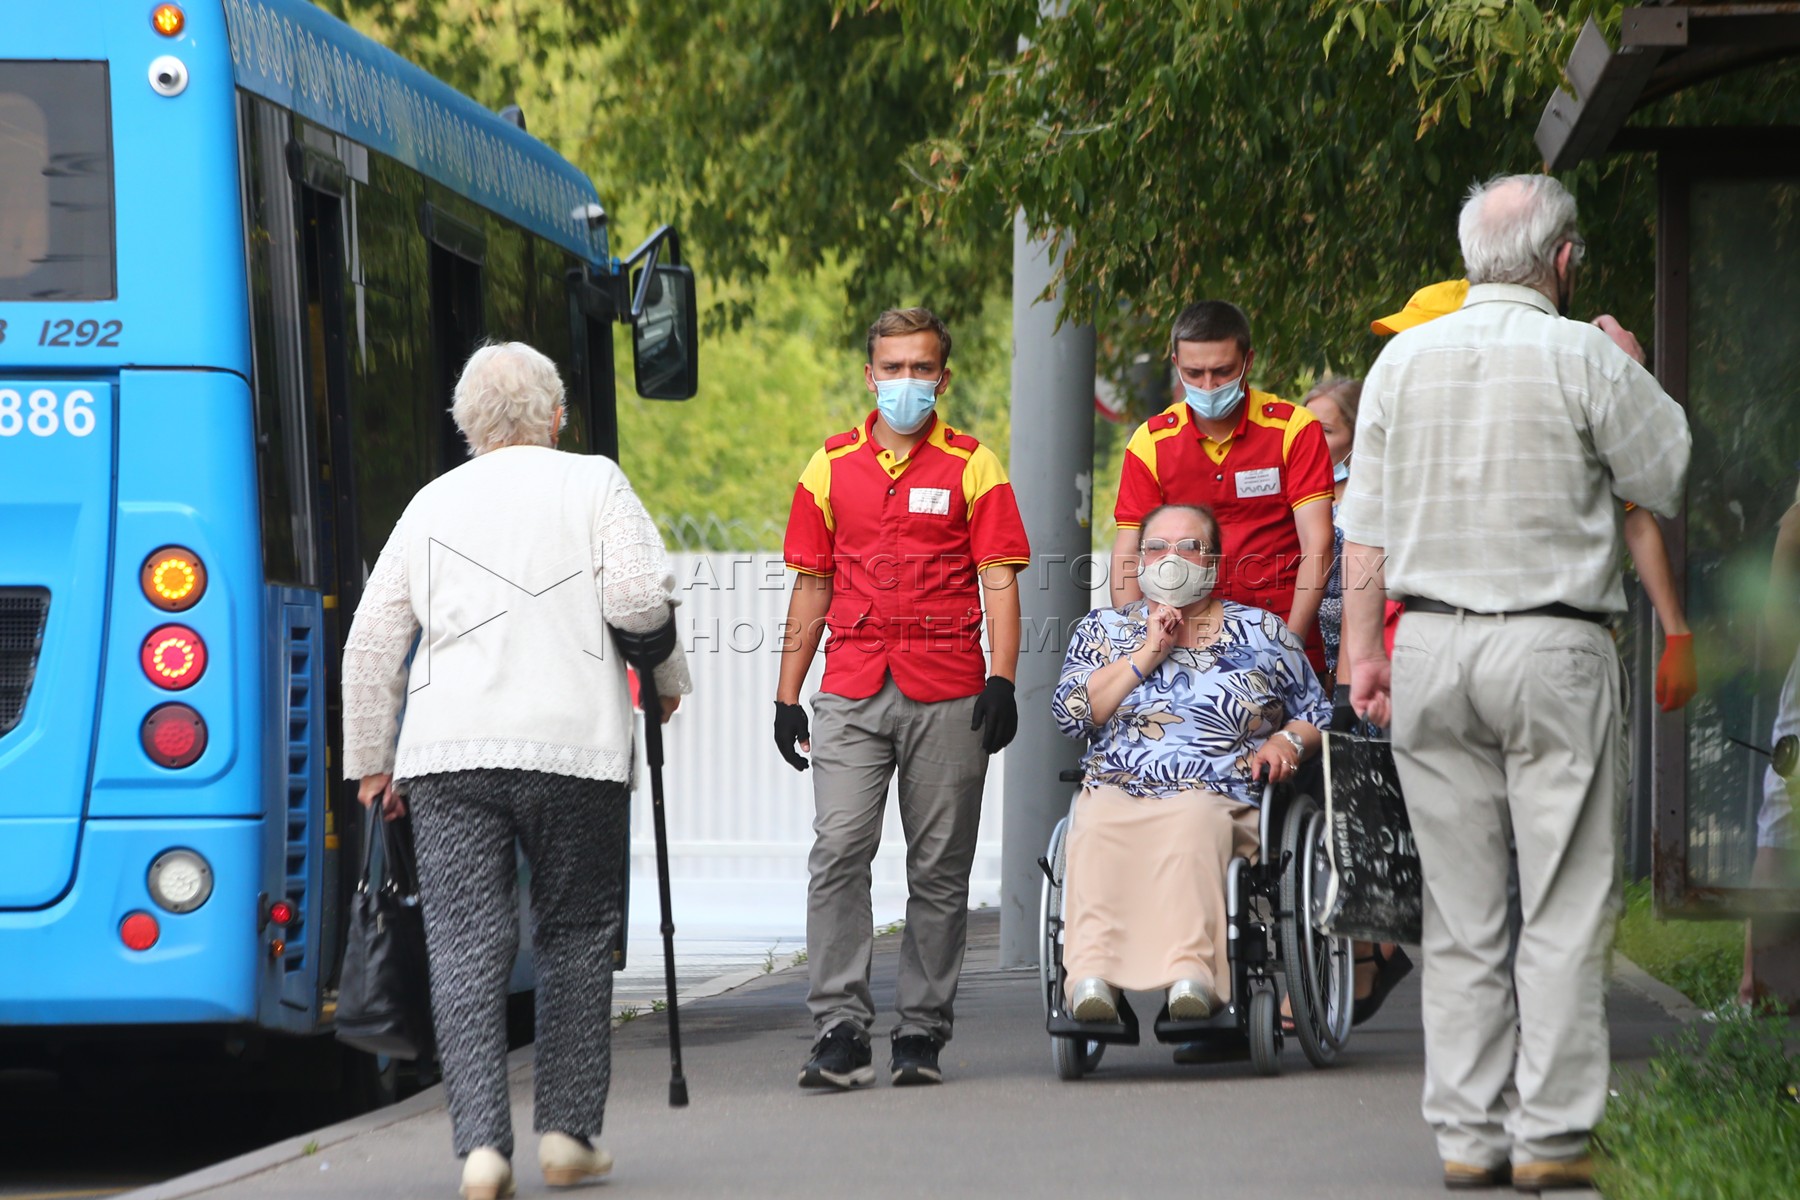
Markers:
{"x": 244, "y": 252}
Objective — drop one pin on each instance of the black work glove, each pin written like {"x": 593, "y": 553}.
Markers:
{"x": 996, "y": 714}
{"x": 791, "y": 727}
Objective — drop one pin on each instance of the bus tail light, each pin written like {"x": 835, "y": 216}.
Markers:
{"x": 139, "y": 931}
{"x": 173, "y": 657}
{"x": 281, "y": 913}
{"x": 173, "y": 578}
{"x": 174, "y": 735}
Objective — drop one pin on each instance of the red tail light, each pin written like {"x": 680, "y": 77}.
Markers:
{"x": 139, "y": 931}
{"x": 173, "y": 657}
{"x": 281, "y": 913}
{"x": 173, "y": 735}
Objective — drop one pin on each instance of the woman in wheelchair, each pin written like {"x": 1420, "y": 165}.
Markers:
{"x": 1187, "y": 701}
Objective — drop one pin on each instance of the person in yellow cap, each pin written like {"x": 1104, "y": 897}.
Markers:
{"x": 1676, "y": 677}
{"x": 1427, "y": 304}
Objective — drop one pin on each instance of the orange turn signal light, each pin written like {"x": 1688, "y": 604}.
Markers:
{"x": 168, "y": 19}
{"x": 173, "y": 578}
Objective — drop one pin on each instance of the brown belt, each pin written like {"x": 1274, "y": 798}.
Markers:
{"x": 1569, "y": 611}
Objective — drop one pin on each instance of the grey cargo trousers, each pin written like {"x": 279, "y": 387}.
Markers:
{"x": 857, "y": 747}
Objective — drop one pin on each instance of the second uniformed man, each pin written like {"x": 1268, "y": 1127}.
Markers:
{"x": 902, "y": 531}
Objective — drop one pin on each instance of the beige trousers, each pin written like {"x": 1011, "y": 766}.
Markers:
{"x": 1144, "y": 891}
{"x": 1512, "y": 726}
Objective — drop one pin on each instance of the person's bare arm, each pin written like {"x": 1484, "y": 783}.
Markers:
{"x": 1783, "y": 605}
{"x": 1365, "y": 603}
{"x": 801, "y": 633}
{"x": 1313, "y": 523}
{"x": 1123, "y": 584}
{"x": 1650, "y": 556}
{"x": 1108, "y": 686}
{"x": 1000, "y": 596}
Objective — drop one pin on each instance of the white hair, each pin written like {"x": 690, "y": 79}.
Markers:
{"x": 506, "y": 396}
{"x": 1512, "y": 227}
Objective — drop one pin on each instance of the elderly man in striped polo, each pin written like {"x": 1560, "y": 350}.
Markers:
{"x": 1492, "y": 450}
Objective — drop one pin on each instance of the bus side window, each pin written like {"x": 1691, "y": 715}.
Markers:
{"x": 284, "y": 431}
{"x": 387, "y": 391}
{"x": 458, "y": 322}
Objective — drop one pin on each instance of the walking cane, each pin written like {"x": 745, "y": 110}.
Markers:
{"x": 641, "y": 651}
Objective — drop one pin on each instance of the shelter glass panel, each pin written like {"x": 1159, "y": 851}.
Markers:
{"x": 1743, "y": 524}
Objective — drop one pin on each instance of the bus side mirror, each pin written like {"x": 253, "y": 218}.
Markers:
{"x": 665, "y": 340}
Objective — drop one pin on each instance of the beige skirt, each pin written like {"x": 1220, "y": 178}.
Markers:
{"x": 1144, "y": 891}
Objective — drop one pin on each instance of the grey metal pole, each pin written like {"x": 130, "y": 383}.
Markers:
{"x": 1052, "y": 476}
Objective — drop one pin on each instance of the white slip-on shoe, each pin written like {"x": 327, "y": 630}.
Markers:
{"x": 486, "y": 1175}
{"x": 568, "y": 1161}
{"x": 1191, "y": 1000}
{"x": 1094, "y": 1000}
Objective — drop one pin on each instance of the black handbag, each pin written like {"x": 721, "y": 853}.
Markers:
{"x": 1376, "y": 888}
{"x": 384, "y": 1000}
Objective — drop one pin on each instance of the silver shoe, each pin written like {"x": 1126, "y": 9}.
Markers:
{"x": 1191, "y": 1000}
{"x": 1094, "y": 1000}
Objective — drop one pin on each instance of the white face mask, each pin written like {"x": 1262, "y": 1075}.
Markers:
{"x": 1176, "y": 581}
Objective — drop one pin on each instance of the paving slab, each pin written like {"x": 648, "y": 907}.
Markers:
{"x": 1002, "y": 1123}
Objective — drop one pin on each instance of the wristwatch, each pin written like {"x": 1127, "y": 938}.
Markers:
{"x": 1294, "y": 739}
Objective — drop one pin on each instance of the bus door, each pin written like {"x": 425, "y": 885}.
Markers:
{"x": 339, "y": 560}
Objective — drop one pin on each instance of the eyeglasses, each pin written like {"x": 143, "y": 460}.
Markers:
{"x": 1186, "y": 546}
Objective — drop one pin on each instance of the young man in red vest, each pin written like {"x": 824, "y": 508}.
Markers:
{"x": 901, "y": 528}
{"x": 1257, "y": 461}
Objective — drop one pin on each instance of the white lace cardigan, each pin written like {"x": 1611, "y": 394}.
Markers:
{"x": 512, "y": 565}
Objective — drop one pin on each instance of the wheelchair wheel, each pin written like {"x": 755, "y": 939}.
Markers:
{"x": 1265, "y": 1032}
{"x": 1075, "y": 1057}
{"x": 1050, "y": 916}
{"x": 1319, "y": 969}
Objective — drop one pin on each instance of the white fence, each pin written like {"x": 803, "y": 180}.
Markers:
{"x": 740, "y": 818}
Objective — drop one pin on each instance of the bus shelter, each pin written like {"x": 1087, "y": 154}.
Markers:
{"x": 1724, "y": 840}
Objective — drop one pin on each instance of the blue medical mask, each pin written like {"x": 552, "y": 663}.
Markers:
{"x": 906, "y": 404}
{"x": 1217, "y": 403}
{"x": 1341, "y": 472}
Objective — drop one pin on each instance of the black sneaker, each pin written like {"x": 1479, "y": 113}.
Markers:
{"x": 840, "y": 1060}
{"x": 915, "y": 1060}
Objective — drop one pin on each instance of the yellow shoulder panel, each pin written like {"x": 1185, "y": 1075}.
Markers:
{"x": 981, "y": 474}
{"x": 816, "y": 479}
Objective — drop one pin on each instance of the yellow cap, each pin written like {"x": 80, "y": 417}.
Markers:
{"x": 1427, "y": 304}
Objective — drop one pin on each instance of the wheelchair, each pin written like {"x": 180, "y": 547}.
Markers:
{"x": 1274, "y": 948}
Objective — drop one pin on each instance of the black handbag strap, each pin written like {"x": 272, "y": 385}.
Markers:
{"x": 373, "y": 841}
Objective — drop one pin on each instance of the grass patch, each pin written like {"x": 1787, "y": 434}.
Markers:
{"x": 1701, "y": 959}
{"x": 1713, "y": 1118}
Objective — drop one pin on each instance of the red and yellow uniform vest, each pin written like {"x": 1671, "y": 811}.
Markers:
{"x": 1273, "y": 463}
{"x": 903, "y": 542}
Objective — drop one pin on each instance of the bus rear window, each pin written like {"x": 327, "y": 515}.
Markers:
{"x": 56, "y": 195}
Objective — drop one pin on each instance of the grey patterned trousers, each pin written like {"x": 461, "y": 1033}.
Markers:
{"x": 573, "y": 832}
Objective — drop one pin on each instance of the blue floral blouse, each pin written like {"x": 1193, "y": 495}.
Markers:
{"x": 1200, "y": 718}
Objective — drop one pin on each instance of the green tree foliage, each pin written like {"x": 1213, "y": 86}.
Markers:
{"x": 1286, "y": 154}
{"x": 779, "y": 131}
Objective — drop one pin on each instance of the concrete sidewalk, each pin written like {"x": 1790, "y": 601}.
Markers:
{"x": 1001, "y": 1124}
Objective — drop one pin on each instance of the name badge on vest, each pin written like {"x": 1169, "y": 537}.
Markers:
{"x": 1266, "y": 482}
{"x": 932, "y": 501}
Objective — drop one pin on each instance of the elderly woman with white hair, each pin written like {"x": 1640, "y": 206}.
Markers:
{"x": 509, "y": 571}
